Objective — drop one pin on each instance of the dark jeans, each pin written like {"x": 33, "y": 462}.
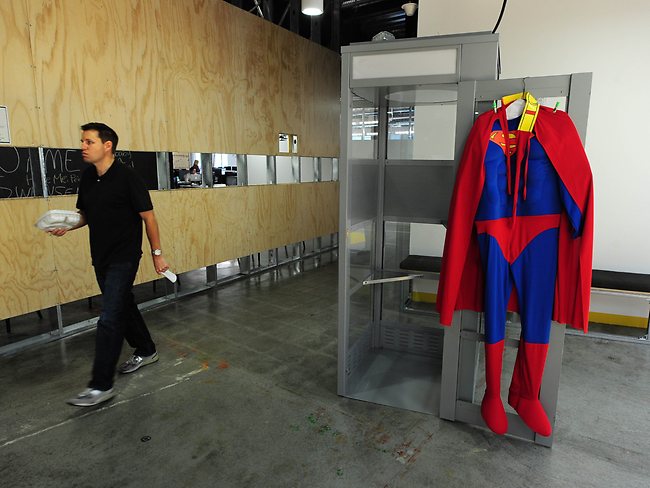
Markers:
{"x": 120, "y": 319}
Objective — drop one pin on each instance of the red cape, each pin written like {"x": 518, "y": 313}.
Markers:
{"x": 461, "y": 276}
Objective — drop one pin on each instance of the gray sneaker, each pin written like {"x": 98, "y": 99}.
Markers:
{"x": 135, "y": 362}
{"x": 90, "y": 397}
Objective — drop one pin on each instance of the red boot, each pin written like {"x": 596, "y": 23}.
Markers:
{"x": 492, "y": 409}
{"x": 515, "y": 383}
{"x": 526, "y": 383}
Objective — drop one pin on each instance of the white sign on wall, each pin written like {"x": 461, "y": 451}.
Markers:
{"x": 5, "y": 136}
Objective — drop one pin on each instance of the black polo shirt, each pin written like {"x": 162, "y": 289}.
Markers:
{"x": 111, "y": 204}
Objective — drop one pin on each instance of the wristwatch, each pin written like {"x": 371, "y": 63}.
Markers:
{"x": 156, "y": 252}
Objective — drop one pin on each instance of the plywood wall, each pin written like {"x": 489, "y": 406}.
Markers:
{"x": 167, "y": 75}
{"x": 28, "y": 276}
{"x": 17, "y": 74}
{"x": 199, "y": 227}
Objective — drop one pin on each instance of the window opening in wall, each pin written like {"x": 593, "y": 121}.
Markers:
{"x": 180, "y": 169}
{"x": 224, "y": 169}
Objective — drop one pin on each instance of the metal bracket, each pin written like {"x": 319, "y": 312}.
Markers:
{"x": 391, "y": 280}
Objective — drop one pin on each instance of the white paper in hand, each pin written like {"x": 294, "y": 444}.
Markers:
{"x": 170, "y": 276}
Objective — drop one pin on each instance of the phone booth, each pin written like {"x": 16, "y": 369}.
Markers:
{"x": 407, "y": 107}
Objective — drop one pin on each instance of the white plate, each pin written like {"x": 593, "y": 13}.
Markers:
{"x": 58, "y": 219}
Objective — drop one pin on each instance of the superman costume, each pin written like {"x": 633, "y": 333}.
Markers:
{"x": 520, "y": 237}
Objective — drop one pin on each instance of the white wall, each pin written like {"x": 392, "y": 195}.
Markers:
{"x": 612, "y": 40}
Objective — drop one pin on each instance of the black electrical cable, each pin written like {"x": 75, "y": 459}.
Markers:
{"x": 503, "y": 9}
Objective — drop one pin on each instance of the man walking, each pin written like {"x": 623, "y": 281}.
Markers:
{"x": 113, "y": 202}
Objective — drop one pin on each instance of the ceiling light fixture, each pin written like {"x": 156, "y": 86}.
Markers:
{"x": 312, "y": 7}
{"x": 410, "y": 8}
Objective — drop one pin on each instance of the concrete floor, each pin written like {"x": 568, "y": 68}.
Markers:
{"x": 245, "y": 396}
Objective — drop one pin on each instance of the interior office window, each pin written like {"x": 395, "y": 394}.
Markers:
{"x": 180, "y": 167}
{"x": 224, "y": 169}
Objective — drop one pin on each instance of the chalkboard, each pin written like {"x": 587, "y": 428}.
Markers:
{"x": 63, "y": 168}
{"x": 20, "y": 170}
{"x": 20, "y": 174}
{"x": 144, "y": 163}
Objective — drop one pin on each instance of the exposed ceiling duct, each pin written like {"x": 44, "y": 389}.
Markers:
{"x": 342, "y": 21}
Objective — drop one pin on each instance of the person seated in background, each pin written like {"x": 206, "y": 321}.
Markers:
{"x": 193, "y": 175}
{"x": 195, "y": 167}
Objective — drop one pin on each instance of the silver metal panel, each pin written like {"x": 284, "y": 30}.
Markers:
{"x": 548, "y": 394}
{"x": 540, "y": 86}
{"x": 419, "y": 162}
{"x": 344, "y": 258}
{"x": 271, "y": 171}
{"x": 418, "y": 191}
{"x": 481, "y": 52}
{"x": 479, "y": 61}
{"x": 59, "y": 318}
{"x": 242, "y": 170}
{"x": 449, "y": 376}
{"x": 295, "y": 169}
{"x": 399, "y": 81}
{"x": 206, "y": 169}
{"x": 464, "y": 118}
{"x": 379, "y": 229}
{"x": 358, "y": 353}
{"x": 162, "y": 168}
{"x": 420, "y": 42}
{"x": 318, "y": 169}
{"x": 361, "y": 202}
{"x": 41, "y": 162}
{"x": 578, "y": 107}
{"x": 428, "y": 342}
{"x": 468, "y": 357}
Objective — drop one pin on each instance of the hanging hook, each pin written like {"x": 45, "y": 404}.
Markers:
{"x": 525, "y": 88}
